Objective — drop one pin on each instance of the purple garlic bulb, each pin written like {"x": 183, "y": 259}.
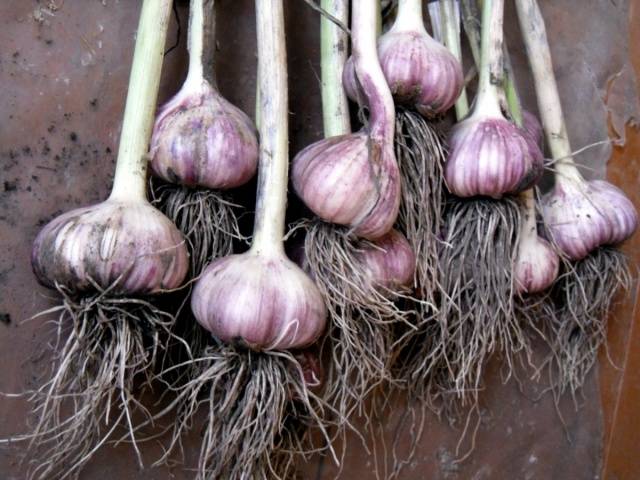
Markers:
{"x": 420, "y": 72}
{"x": 200, "y": 139}
{"x": 350, "y": 180}
{"x": 392, "y": 262}
{"x": 536, "y": 266}
{"x": 585, "y": 215}
{"x": 125, "y": 241}
{"x": 490, "y": 156}
{"x": 265, "y": 302}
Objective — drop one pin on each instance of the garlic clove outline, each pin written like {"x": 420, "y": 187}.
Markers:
{"x": 391, "y": 262}
{"x": 490, "y": 156}
{"x": 130, "y": 242}
{"x": 583, "y": 215}
{"x": 201, "y": 139}
{"x": 350, "y": 180}
{"x": 262, "y": 301}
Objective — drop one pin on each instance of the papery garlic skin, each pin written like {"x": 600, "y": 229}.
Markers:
{"x": 126, "y": 241}
{"x": 421, "y": 72}
{"x": 392, "y": 262}
{"x": 350, "y": 180}
{"x": 537, "y": 265}
{"x": 264, "y": 302}
{"x": 200, "y": 139}
{"x": 490, "y": 156}
{"x": 585, "y": 215}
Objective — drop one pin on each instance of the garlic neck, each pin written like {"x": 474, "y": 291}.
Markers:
{"x": 409, "y": 18}
{"x": 273, "y": 163}
{"x": 201, "y": 43}
{"x": 130, "y": 180}
{"x": 369, "y": 71}
{"x": 549, "y": 103}
{"x": 491, "y": 68}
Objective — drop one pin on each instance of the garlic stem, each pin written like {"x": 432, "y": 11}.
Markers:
{"x": 434, "y": 9}
{"x": 491, "y": 70}
{"x": 451, "y": 35}
{"x": 470, "y": 20}
{"x": 511, "y": 89}
{"x": 201, "y": 42}
{"x": 273, "y": 163}
{"x": 409, "y": 17}
{"x": 537, "y": 45}
{"x": 333, "y": 53}
{"x": 529, "y": 224}
{"x": 130, "y": 181}
{"x": 369, "y": 72}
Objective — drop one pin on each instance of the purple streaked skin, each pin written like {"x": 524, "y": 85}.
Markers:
{"x": 491, "y": 157}
{"x": 264, "y": 302}
{"x": 200, "y": 139}
{"x": 537, "y": 265}
{"x": 129, "y": 241}
{"x": 392, "y": 262}
{"x": 350, "y": 180}
{"x": 420, "y": 72}
{"x": 582, "y": 216}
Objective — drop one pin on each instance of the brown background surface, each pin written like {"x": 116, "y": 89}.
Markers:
{"x": 63, "y": 77}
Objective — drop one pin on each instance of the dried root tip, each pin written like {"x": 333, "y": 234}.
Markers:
{"x": 259, "y": 412}
{"x": 476, "y": 310}
{"x": 577, "y": 328}
{"x": 107, "y": 348}
{"x": 207, "y": 218}
{"x": 421, "y": 154}
{"x": 360, "y": 340}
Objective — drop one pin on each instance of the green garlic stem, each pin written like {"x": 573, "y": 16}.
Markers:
{"x": 549, "y": 105}
{"x": 333, "y": 53}
{"x": 273, "y": 163}
{"x": 471, "y": 21}
{"x": 130, "y": 181}
{"x": 511, "y": 89}
{"x": 451, "y": 35}
{"x": 491, "y": 69}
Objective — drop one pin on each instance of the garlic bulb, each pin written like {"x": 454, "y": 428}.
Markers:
{"x": 490, "y": 156}
{"x": 353, "y": 179}
{"x": 263, "y": 301}
{"x": 392, "y": 262}
{"x": 420, "y": 71}
{"x": 125, "y": 241}
{"x": 350, "y": 180}
{"x": 200, "y": 139}
{"x": 537, "y": 263}
{"x": 585, "y": 215}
